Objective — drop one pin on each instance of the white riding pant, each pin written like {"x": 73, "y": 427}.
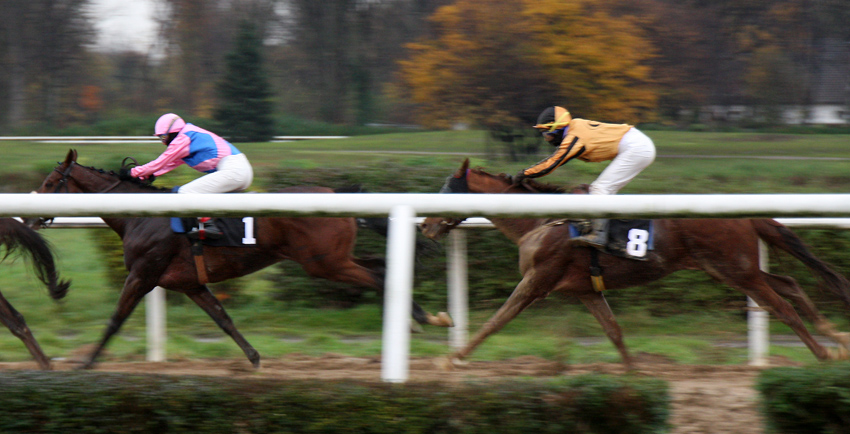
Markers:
{"x": 233, "y": 173}
{"x": 635, "y": 153}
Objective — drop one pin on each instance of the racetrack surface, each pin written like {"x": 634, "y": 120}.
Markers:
{"x": 706, "y": 398}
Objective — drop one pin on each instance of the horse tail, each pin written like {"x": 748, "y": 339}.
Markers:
{"x": 778, "y": 235}
{"x": 15, "y": 236}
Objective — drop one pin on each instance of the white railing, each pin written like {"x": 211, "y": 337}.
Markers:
{"x": 402, "y": 210}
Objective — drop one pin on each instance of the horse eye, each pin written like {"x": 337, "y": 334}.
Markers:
{"x": 48, "y": 185}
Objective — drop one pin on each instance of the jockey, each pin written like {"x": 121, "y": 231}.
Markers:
{"x": 227, "y": 169}
{"x": 629, "y": 150}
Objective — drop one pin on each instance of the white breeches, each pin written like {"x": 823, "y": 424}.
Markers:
{"x": 636, "y": 152}
{"x": 233, "y": 173}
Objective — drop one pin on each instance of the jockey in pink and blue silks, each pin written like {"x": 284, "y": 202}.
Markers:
{"x": 227, "y": 169}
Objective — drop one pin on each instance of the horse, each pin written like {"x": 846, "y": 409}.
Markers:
{"x": 16, "y": 237}
{"x": 726, "y": 249}
{"x": 155, "y": 256}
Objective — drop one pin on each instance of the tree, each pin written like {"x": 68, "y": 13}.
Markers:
{"x": 341, "y": 54}
{"x": 245, "y": 108}
{"x": 42, "y": 52}
{"x": 495, "y": 62}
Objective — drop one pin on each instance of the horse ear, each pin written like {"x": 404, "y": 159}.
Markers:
{"x": 463, "y": 168}
{"x": 71, "y": 157}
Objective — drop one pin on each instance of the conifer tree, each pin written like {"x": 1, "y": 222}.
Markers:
{"x": 244, "y": 113}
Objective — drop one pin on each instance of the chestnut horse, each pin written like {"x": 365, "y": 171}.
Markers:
{"x": 16, "y": 236}
{"x": 726, "y": 249}
{"x": 155, "y": 256}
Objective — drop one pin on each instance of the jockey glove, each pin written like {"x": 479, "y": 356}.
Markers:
{"x": 517, "y": 179}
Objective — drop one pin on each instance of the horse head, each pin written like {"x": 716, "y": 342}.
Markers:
{"x": 70, "y": 177}
{"x": 476, "y": 180}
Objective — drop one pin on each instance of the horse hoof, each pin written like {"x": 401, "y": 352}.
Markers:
{"x": 255, "y": 360}
{"x": 84, "y": 366}
{"x": 444, "y": 364}
{"x": 415, "y": 327}
{"x": 442, "y": 319}
{"x": 839, "y": 353}
{"x": 459, "y": 362}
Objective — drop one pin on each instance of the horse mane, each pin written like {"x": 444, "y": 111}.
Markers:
{"x": 136, "y": 181}
{"x": 539, "y": 187}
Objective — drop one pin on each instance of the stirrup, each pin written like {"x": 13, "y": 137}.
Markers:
{"x": 206, "y": 230}
{"x": 591, "y": 239}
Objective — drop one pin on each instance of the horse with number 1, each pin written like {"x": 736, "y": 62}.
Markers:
{"x": 16, "y": 237}
{"x": 156, "y": 254}
{"x": 726, "y": 249}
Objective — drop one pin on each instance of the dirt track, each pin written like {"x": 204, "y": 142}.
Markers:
{"x": 706, "y": 399}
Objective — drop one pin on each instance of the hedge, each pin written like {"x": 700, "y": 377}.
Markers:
{"x": 812, "y": 399}
{"x": 93, "y": 402}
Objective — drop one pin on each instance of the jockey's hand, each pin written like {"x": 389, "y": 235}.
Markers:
{"x": 124, "y": 174}
{"x": 518, "y": 178}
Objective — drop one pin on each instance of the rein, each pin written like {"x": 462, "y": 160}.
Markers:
{"x": 66, "y": 175}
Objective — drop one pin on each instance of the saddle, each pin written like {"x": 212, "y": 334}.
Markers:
{"x": 627, "y": 238}
{"x": 236, "y": 232}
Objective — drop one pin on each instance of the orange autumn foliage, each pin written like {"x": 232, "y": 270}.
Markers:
{"x": 492, "y": 62}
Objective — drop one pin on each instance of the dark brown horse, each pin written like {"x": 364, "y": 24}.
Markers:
{"x": 155, "y": 256}
{"x": 726, "y": 249}
{"x": 17, "y": 237}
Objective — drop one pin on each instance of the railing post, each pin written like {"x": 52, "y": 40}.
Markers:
{"x": 155, "y": 317}
{"x": 458, "y": 289}
{"x": 398, "y": 296}
{"x": 757, "y": 320}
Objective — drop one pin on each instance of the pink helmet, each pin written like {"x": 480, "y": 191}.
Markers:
{"x": 168, "y": 123}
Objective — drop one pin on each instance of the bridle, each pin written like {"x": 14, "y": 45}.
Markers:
{"x": 62, "y": 184}
{"x": 66, "y": 175}
{"x": 455, "y": 184}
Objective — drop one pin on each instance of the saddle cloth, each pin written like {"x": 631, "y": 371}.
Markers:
{"x": 627, "y": 238}
{"x": 238, "y": 231}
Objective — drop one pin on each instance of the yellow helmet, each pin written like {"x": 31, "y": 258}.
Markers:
{"x": 553, "y": 118}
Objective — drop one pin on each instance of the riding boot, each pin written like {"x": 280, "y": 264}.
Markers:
{"x": 206, "y": 230}
{"x": 597, "y": 237}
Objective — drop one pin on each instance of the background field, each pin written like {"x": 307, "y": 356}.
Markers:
{"x": 685, "y": 317}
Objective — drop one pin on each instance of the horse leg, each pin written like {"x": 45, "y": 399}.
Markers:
{"x": 130, "y": 297}
{"x": 521, "y": 298}
{"x": 768, "y": 299}
{"x": 787, "y": 287}
{"x": 12, "y": 319}
{"x": 355, "y": 272}
{"x": 207, "y": 301}
{"x": 598, "y": 306}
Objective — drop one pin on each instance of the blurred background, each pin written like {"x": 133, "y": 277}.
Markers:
{"x": 111, "y": 66}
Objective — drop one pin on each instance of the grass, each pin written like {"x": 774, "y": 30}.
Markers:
{"x": 554, "y": 329}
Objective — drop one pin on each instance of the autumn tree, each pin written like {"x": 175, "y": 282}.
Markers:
{"x": 492, "y": 62}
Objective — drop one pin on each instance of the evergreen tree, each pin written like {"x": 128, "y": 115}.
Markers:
{"x": 245, "y": 107}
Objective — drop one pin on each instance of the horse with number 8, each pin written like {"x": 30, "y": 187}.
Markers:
{"x": 726, "y": 249}
{"x": 156, "y": 256}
